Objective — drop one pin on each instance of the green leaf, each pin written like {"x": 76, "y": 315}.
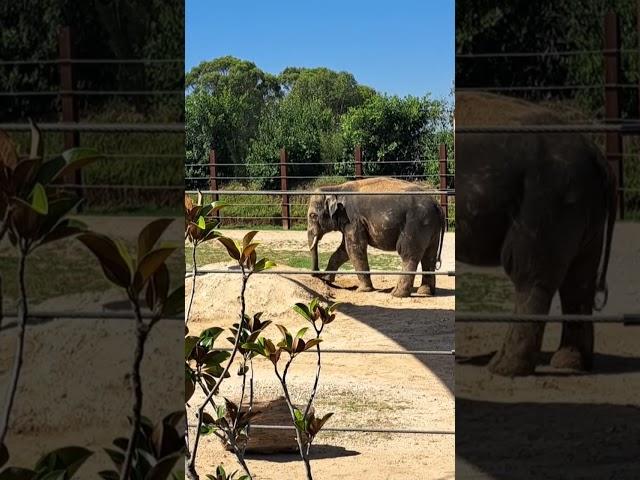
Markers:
{"x": 202, "y": 223}
{"x": 115, "y": 268}
{"x": 189, "y": 384}
{"x": 66, "y": 228}
{"x": 189, "y": 343}
{"x": 68, "y": 459}
{"x": 263, "y": 264}
{"x": 164, "y": 467}
{"x": 209, "y": 335}
{"x": 231, "y": 247}
{"x": 175, "y": 302}
{"x": 150, "y": 234}
{"x": 76, "y": 158}
{"x": 16, "y": 473}
{"x": 39, "y": 200}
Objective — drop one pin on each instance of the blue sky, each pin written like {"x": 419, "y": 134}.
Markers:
{"x": 403, "y": 47}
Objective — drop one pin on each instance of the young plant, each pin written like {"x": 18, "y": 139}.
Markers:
{"x": 222, "y": 475}
{"x": 307, "y": 425}
{"x": 59, "y": 464}
{"x": 246, "y": 256}
{"x": 147, "y": 270}
{"x": 198, "y": 228}
{"x": 158, "y": 448}
{"x": 33, "y": 215}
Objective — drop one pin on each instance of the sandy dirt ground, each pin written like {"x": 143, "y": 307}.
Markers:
{"x": 379, "y": 391}
{"x": 539, "y": 426}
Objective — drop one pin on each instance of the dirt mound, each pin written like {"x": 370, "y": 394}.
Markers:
{"x": 217, "y": 296}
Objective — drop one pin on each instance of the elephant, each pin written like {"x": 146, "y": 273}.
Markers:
{"x": 544, "y": 207}
{"x": 413, "y": 225}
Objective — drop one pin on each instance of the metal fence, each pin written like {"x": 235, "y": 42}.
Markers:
{"x": 614, "y": 127}
{"x": 289, "y": 211}
{"x": 71, "y": 127}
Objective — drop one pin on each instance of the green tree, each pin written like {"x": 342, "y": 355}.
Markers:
{"x": 390, "y": 129}
{"x": 225, "y": 100}
{"x": 339, "y": 91}
{"x": 304, "y": 127}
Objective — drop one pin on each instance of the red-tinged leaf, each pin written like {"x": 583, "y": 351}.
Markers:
{"x": 312, "y": 343}
{"x": 113, "y": 265}
{"x": 150, "y": 264}
{"x": 248, "y": 251}
{"x": 231, "y": 247}
{"x": 188, "y": 204}
{"x": 150, "y": 235}
{"x": 246, "y": 241}
{"x": 164, "y": 467}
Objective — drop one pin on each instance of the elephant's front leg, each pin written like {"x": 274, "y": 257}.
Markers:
{"x": 521, "y": 347}
{"x": 337, "y": 259}
{"x": 355, "y": 239}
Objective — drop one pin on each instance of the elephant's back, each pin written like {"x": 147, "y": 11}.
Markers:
{"x": 379, "y": 184}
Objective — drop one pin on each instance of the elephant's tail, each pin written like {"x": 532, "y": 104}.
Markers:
{"x": 612, "y": 211}
{"x": 443, "y": 226}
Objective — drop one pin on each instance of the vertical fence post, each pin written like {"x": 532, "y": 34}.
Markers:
{"x": 357, "y": 155}
{"x": 213, "y": 177}
{"x": 286, "y": 211}
{"x": 612, "y": 65}
{"x": 69, "y": 110}
{"x": 444, "y": 198}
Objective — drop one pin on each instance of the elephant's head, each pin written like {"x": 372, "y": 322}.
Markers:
{"x": 326, "y": 213}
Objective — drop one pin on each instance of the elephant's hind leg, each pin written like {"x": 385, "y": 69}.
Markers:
{"x": 576, "y": 295}
{"x": 428, "y": 285}
{"x": 519, "y": 352}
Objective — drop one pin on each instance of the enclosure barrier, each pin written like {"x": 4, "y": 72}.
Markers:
{"x": 214, "y": 179}
{"x": 472, "y": 317}
{"x": 355, "y": 430}
{"x": 68, "y": 94}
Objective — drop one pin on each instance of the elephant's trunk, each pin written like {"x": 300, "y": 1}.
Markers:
{"x": 313, "y": 248}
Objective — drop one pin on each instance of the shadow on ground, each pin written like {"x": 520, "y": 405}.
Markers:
{"x": 530, "y": 441}
{"x": 318, "y": 452}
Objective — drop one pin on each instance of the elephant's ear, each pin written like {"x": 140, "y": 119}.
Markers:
{"x": 332, "y": 204}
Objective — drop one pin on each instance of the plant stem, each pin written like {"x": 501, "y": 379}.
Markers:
{"x": 18, "y": 356}
{"x": 317, "y": 380}
{"x": 136, "y": 383}
{"x": 285, "y": 389}
{"x": 191, "y": 466}
{"x": 193, "y": 284}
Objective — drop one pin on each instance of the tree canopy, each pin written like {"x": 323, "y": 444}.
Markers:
{"x": 318, "y": 115}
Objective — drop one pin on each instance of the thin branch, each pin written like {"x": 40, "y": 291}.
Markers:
{"x": 19, "y": 353}
{"x": 142, "y": 330}
{"x": 193, "y": 285}
{"x": 191, "y": 470}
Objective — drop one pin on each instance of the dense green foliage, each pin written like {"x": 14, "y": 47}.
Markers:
{"x": 316, "y": 114}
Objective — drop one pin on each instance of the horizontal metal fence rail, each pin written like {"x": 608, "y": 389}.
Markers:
{"x": 91, "y": 93}
{"x": 349, "y": 164}
{"x": 562, "y": 53}
{"x": 447, "y": 353}
{"x": 310, "y": 193}
{"x": 355, "y": 430}
{"x": 97, "y": 127}
{"x": 314, "y": 177}
{"x": 471, "y": 317}
{"x": 91, "y": 315}
{"x": 93, "y": 61}
{"x": 623, "y": 128}
{"x": 448, "y": 273}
